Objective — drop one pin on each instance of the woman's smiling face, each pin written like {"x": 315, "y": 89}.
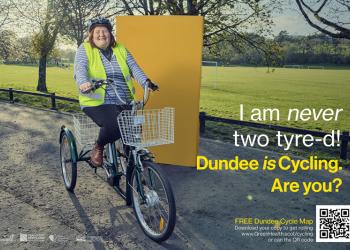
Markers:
{"x": 101, "y": 37}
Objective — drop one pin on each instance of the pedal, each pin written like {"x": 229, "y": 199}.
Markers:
{"x": 92, "y": 166}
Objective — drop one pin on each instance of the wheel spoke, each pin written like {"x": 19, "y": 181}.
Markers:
{"x": 154, "y": 216}
{"x": 161, "y": 214}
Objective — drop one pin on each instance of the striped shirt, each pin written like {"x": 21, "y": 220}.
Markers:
{"x": 113, "y": 72}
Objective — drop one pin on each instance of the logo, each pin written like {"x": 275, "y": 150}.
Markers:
{"x": 58, "y": 238}
{"x": 10, "y": 238}
{"x": 31, "y": 237}
{"x": 52, "y": 238}
{"x": 81, "y": 238}
{"x": 89, "y": 238}
{"x": 23, "y": 237}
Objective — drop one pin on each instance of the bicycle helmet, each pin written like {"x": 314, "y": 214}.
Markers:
{"x": 99, "y": 21}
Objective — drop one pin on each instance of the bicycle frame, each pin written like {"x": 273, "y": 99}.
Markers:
{"x": 131, "y": 161}
{"x": 111, "y": 165}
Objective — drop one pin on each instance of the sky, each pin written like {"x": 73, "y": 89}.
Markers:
{"x": 294, "y": 22}
{"x": 291, "y": 20}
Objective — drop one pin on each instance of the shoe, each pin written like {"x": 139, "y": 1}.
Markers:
{"x": 96, "y": 156}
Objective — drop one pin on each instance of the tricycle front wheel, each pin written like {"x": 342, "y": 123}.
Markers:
{"x": 156, "y": 211}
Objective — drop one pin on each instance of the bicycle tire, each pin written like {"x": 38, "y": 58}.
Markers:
{"x": 112, "y": 180}
{"x": 170, "y": 221}
{"x": 69, "y": 171}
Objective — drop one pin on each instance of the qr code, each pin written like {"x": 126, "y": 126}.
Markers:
{"x": 332, "y": 223}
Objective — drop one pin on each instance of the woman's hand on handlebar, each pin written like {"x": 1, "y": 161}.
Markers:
{"x": 152, "y": 85}
{"x": 85, "y": 87}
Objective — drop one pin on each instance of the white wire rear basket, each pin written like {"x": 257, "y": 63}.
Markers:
{"x": 85, "y": 130}
{"x": 146, "y": 128}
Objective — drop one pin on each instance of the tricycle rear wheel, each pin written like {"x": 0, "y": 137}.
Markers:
{"x": 68, "y": 162}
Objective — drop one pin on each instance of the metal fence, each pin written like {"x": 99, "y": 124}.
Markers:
{"x": 203, "y": 117}
{"x": 52, "y": 96}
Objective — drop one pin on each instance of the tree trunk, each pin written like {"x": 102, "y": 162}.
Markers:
{"x": 42, "y": 74}
{"x": 80, "y": 41}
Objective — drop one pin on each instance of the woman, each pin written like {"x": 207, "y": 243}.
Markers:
{"x": 101, "y": 57}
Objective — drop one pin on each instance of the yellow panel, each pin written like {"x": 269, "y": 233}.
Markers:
{"x": 169, "y": 50}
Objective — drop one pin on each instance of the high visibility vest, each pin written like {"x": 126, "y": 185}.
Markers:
{"x": 96, "y": 71}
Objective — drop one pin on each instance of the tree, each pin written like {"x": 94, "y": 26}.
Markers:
{"x": 283, "y": 36}
{"x": 26, "y": 51}
{"x": 47, "y": 17}
{"x": 5, "y": 8}
{"x": 224, "y": 20}
{"x": 78, "y": 14}
{"x": 328, "y": 16}
{"x": 55, "y": 56}
{"x": 7, "y": 48}
{"x": 273, "y": 54}
{"x": 68, "y": 55}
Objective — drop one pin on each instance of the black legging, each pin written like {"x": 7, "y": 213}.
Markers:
{"x": 105, "y": 116}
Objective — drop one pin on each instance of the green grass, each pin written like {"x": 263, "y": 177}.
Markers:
{"x": 58, "y": 80}
{"x": 253, "y": 87}
{"x": 282, "y": 89}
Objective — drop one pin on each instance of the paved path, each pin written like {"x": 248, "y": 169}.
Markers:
{"x": 34, "y": 200}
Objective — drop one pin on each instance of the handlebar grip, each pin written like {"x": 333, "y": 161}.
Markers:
{"x": 97, "y": 84}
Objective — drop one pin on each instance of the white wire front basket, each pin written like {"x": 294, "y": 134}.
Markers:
{"x": 146, "y": 128}
{"x": 85, "y": 130}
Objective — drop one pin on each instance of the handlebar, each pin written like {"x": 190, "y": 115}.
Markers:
{"x": 97, "y": 84}
{"x": 136, "y": 104}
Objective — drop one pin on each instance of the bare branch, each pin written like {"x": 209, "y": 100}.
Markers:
{"x": 321, "y": 7}
{"x": 341, "y": 32}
